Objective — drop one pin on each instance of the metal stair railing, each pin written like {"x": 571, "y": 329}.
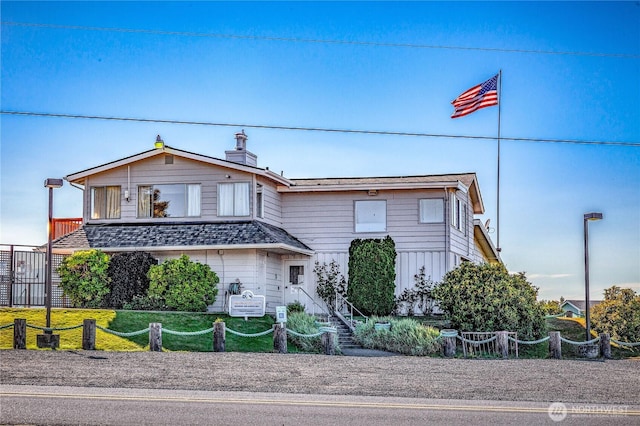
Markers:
{"x": 343, "y": 303}
{"x": 314, "y": 304}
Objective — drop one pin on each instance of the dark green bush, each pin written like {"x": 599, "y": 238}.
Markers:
{"x": 372, "y": 275}
{"x": 84, "y": 279}
{"x": 486, "y": 297}
{"x": 128, "y": 277}
{"x": 146, "y": 303}
{"x": 183, "y": 285}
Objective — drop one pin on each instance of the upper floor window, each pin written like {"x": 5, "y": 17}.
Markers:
{"x": 371, "y": 216}
{"x": 259, "y": 201}
{"x": 172, "y": 200}
{"x": 233, "y": 199}
{"x": 455, "y": 212}
{"x": 432, "y": 210}
{"x": 105, "y": 202}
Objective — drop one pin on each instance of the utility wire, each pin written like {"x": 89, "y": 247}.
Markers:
{"x": 318, "y": 41}
{"x": 317, "y": 129}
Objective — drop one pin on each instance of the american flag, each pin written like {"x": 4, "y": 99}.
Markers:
{"x": 480, "y": 96}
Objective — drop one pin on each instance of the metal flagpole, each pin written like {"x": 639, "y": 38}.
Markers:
{"x": 498, "y": 195}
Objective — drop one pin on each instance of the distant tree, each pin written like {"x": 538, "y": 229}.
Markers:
{"x": 551, "y": 307}
{"x": 618, "y": 314}
{"x": 486, "y": 297}
{"x": 329, "y": 281}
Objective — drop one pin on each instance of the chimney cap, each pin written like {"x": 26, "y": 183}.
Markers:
{"x": 241, "y": 141}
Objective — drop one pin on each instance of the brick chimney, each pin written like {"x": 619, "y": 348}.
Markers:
{"x": 240, "y": 155}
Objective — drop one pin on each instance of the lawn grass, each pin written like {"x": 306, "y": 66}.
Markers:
{"x": 62, "y": 318}
{"x": 129, "y": 321}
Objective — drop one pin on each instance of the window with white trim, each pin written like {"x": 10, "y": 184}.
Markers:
{"x": 105, "y": 202}
{"x": 432, "y": 210}
{"x": 169, "y": 200}
{"x": 455, "y": 211}
{"x": 233, "y": 199}
{"x": 259, "y": 201}
{"x": 371, "y": 216}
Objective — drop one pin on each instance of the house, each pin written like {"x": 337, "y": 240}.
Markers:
{"x": 267, "y": 231}
{"x": 576, "y": 308}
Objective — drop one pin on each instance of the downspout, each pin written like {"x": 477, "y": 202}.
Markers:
{"x": 447, "y": 230}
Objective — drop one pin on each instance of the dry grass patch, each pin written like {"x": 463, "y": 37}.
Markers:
{"x": 62, "y": 318}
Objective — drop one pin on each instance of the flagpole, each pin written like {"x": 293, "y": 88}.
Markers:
{"x": 498, "y": 191}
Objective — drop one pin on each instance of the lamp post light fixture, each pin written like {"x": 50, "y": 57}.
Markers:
{"x": 587, "y": 218}
{"x": 48, "y": 339}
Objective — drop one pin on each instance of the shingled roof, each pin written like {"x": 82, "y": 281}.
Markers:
{"x": 166, "y": 236}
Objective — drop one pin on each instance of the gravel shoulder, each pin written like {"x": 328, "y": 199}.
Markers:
{"x": 544, "y": 380}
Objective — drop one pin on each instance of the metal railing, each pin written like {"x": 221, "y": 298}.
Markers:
{"x": 314, "y": 304}
{"x": 343, "y": 304}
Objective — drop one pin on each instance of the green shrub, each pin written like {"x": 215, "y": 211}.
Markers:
{"x": 304, "y": 324}
{"x": 486, "y": 297}
{"x": 417, "y": 298}
{"x": 406, "y": 336}
{"x": 183, "y": 285}
{"x": 295, "y": 307}
{"x": 128, "y": 277}
{"x": 372, "y": 275}
{"x": 329, "y": 281}
{"x": 84, "y": 279}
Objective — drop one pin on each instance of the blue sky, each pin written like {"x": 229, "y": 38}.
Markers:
{"x": 404, "y": 65}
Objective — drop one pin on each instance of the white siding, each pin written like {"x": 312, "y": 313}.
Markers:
{"x": 154, "y": 171}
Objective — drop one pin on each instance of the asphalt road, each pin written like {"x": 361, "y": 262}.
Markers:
{"x": 55, "y": 405}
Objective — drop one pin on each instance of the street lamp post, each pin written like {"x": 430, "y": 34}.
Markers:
{"x": 48, "y": 339}
{"x": 587, "y": 218}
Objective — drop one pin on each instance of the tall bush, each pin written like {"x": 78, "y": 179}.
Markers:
{"x": 618, "y": 314}
{"x": 128, "y": 277}
{"x": 486, "y": 297}
{"x": 183, "y": 285}
{"x": 372, "y": 275}
{"x": 84, "y": 279}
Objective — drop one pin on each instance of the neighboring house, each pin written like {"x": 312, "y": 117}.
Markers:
{"x": 576, "y": 308}
{"x": 267, "y": 231}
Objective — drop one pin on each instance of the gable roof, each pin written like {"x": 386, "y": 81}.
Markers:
{"x": 180, "y": 236}
{"x": 79, "y": 177}
{"x": 463, "y": 181}
{"x": 580, "y": 304}
{"x": 484, "y": 243}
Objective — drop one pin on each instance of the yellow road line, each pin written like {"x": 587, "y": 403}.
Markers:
{"x": 310, "y": 403}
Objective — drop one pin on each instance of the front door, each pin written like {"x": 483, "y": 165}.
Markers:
{"x": 295, "y": 281}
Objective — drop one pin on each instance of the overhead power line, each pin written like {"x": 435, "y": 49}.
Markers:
{"x": 317, "y": 129}
{"x": 318, "y": 41}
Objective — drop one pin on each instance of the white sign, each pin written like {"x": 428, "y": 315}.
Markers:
{"x": 246, "y": 305}
{"x": 281, "y": 314}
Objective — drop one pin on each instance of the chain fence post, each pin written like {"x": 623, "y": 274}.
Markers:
{"x": 502, "y": 344}
{"x": 19, "y": 333}
{"x": 605, "y": 345}
{"x": 155, "y": 337}
{"x": 219, "y": 336}
{"x": 280, "y": 338}
{"x": 555, "y": 345}
{"x": 89, "y": 335}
